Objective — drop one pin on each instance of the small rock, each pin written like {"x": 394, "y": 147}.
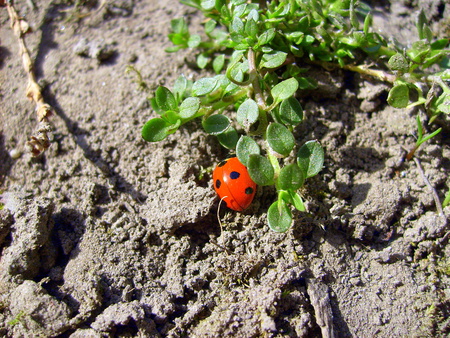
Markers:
{"x": 96, "y": 49}
{"x": 15, "y": 154}
{"x": 39, "y": 314}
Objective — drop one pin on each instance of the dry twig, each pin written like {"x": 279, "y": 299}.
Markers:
{"x": 39, "y": 142}
{"x": 320, "y": 300}
{"x": 433, "y": 192}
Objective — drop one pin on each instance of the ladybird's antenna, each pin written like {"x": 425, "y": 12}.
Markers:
{"x": 218, "y": 214}
{"x": 221, "y": 245}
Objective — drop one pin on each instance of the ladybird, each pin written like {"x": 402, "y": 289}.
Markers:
{"x": 233, "y": 184}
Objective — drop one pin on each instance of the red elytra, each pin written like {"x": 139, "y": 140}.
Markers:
{"x": 233, "y": 184}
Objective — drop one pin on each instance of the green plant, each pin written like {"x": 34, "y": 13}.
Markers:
{"x": 421, "y": 138}
{"x": 16, "y": 320}
{"x": 261, "y": 53}
{"x": 446, "y": 200}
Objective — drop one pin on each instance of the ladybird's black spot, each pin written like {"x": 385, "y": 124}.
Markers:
{"x": 234, "y": 175}
{"x": 222, "y": 163}
{"x": 249, "y": 191}
{"x": 218, "y": 184}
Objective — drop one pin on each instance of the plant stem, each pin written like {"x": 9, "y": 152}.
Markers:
{"x": 433, "y": 191}
{"x": 39, "y": 143}
{"x": 379, "y": 74}
{"x": 275, "y": 164}
{"x": 259, "y": 97}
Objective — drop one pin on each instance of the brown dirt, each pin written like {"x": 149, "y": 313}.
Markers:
{"x": 107, "y": 235}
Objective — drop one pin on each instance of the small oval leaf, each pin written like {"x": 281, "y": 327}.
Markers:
{"x": 165, "y": 99}
{"x": 180, "y": 87}
{"x": 229, "y": 138}
{"x": 204, "y": 86}
{"x": 216, "y": 124}
{"x": 245, "y": 147}
{"x": 284, "y": 89}
{"x": 310, "y": 158}
{"x": 155, "y": 130}
{"x": 291, "y": 112}
{"x": 398, "y": 96}
{"x": 218, "y": 63}
{"x": 266, "y": 36}
{"x": 290, "y": 178}
{"x": 247, "y": 113}
{"x": 273, "y": 60}
{"x": 189, "y": 107}
{"x": 260, "y": 169}
{"x": 279, "y": 216}
{"x": 398, "y": 62}
{"x": 280, "y": 139}
{"x": 297, "y": 201}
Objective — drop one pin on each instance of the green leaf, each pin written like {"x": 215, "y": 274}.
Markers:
{"x": 251, "y": 28}
{"x": 310, "y": 158}
{"x": 247, "y": 113}
{"x": 368, "y": 23}
{"x": 398, "y": 62}
{"x": 253, "y": 15}
{"x": 297, "y": 201}
{"x": 260, "y": 169}
{"x": 429, "y": 136}
{"x": 171, "y": 117}
{"x": 245, "y": 147}
{"x": 419, "y": 129}
{"x": 194, "y": 41}
{"x": 280, "y": 139}
{"x": 279, "y": 216}
{"x": 204, "y": 86}
{"x": 266, "y": 37}
{"x": 428, "y": 33}
{"x": 202, "y": 60}
{"x": 165, "y": 99}
{"x": 353, "y": 17}
{"x": 398, "y": 96}
{"x": 284, "y": 90}
{"x": 341, "y": 7}
{"x": 290, "y": 178}
{"x": 218, "y": 63}
{"x": 173, "y": 49}
{"x": 237, "y": 30}
{"x": 179, "y": 26}
{"x": 273, "y": 60}
{"x": 216, "y": 124}
{"x": 421, "y": 24}
{"x": 444, "y": 104}
{"x": 210, "y": 25}
{"x": 189, "y": 107}
{"x": 445, "y": 64}
{"x": 155, "y": 130}
{"x": 290, "y": 112}
{"x": 229, "y": 138}
{"x": 208, "y": 5}
{"x": 155, "y": 106}
{"x": 446, "y": 200}
{"x": 439, "y": 44}
{"x": 419, "y": 51}
{"x": 180, "y": 87}
{"x": 285, "y": 195}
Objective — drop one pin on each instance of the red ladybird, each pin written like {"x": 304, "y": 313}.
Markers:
{"x": 233, "y": 184}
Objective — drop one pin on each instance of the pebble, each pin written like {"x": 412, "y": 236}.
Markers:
{"x": 15, "y": 154}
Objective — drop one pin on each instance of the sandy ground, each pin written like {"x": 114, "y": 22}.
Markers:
{"x": 107, "y": 235}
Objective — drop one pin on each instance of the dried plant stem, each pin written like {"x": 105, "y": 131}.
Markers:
{"x": 433, "y": 192}
{"x": 39, "y": 142}
{"x": 365, "y": 70}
